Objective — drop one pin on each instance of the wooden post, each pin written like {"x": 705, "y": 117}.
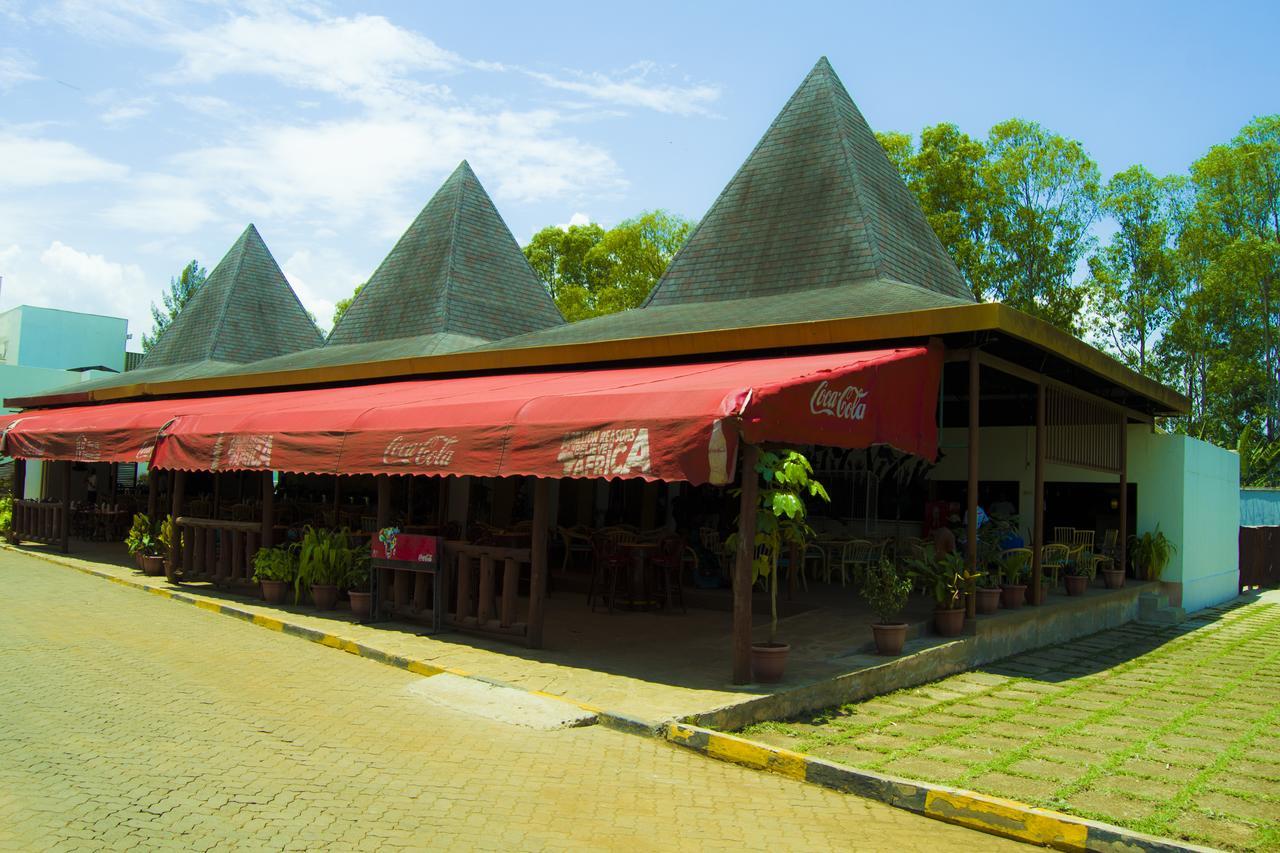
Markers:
{"x": 153, "y": 493}
{"x": 1037, "y": 530}
{"x": 113, "y": 472}
{"x": 177, "y": 485}
{"x": 1122, "y": 537}
{"x": 65, "y": 533}
{"x": 484, "y": 598}
{"x": 742, "y": 566}
{"x": 538, "y": 557}
{"x": 384, "y": 501}
{"x": 268, "y": 509}
{"x": 19, "y": 493}
{"x": 971, "y": 534}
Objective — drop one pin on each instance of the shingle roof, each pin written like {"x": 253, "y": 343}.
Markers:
{"x": 457, "y": 270}
{"x": 244, "y": 312}
{"x": 816, "y": 204}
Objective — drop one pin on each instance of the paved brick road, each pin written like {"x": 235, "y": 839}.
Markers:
{"x": 1173, "y": 731}
{"x": 130, "y": 721}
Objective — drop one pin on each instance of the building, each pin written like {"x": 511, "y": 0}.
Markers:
{"x": 813, "y": 305}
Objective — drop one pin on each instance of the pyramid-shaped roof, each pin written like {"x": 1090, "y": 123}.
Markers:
{"x": 817, "y": 204}
{"x": 457, "y": 270}
{"x": 245, "y": 311}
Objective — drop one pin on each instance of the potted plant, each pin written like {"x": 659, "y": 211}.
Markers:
{"x": 140, "y": 533}
{"x": 164, "y": 547}
{"x": 6, "y": 520}
{"x": 324, "y": 561}
{"x": 1151, "y": 554}
{"x": 1112, "y": 575}
{"x": 945, "y": 578}
{"x": 1078, "y": 571}
{"x": 780, "y": 522}
{"x": 988, "y": 591}
{"x": 1014, "y": 565}
{"x": 357, "y": 584}
{"x": 275, "y": 569}
{"x": 886, "y": 591}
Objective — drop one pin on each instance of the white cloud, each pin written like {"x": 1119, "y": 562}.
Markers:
{"x": 15, "y": 68}
{"x": 576, "y": 219}
{"x": 161, "y": 204}
{"x": 321, "y": 278}
{"x": 363, "y": 58}
{"x": 27, "y": 161}
{"x": 634, "y": 87}
{"x": 62, "y": 276}
{"x": 127, "y": 110}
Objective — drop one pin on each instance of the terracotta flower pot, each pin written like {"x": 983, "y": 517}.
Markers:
{"x": 768, "y": 661}
{"x": 324, "y": 596}
{"x": 152, "y": 566}
{"x": 890, "y": 638}
{"x": 949, "y": 622}
{"x": 1113, "y": 578}
{"x": 988, "y": 600}
{"x": 1013, "y": 595}
{"x": 274, "y": 592}
{"x": 361, "y": 604}
{"x": 1076, "y": 584}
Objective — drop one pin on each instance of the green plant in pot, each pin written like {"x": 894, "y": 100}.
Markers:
{"x": 945, "y": 578}
{"x": 987, "y": 589}
{"x": 324, "y": 561}
{"x": 1015, "y": 565}
{"x": 886, "y": 591}
{"x": 781, "y": 512}
{"x": 1151, "y": 553}
{"x": 6, "y": 520}
{"x": 1078, "y": 571}
{"x": 166, "y": 540}
{"x": 140, "y": 533}
{"x": 357, "y": 584}
{"x": 276, "y": 569}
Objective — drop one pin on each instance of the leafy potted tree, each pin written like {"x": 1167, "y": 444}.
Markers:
{"x": 276, "y": 569}
{"x": 1151, "y": 554}
{"x": 780, "y": 522}
{"x": 988, "y": 591}
{"x": 324, "y": 561}
{"x": 1078, "y": 571}
{"x": 357, "y": 583}
{"x": 1014, "y": 566}
{"x": 166, "y": 539}
{"x": 945, "y": 578}
{"x": 140, "y": 533}
{"x": 886, "y": 591}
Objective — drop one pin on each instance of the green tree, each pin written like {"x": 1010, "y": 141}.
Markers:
{"x": 590, "y": 271}
{"x": 175, "y": 298}
{"x": 1043, "y": 190}
{"x": 340, "y": 307}
{"x": 1133, "y": 281}
{"x": 947, "y": 176}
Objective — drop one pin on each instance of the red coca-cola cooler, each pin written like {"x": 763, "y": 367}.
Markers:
{"x": 398, "y": 560}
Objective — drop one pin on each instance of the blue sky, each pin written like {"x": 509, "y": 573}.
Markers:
{"x": 135, "y": 135}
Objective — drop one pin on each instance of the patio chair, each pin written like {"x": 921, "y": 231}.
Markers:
{"x": 1082, "y": 538}
{"x": 1063, "y": 535}
{"x": 1053, "y": 558}
{"x": 576, "y": 540}
{"x": 1110, "y": 542}
{"x": 669, "y": 562}
{"x": 610, "y": 562}
{"x": 812, "y": 551}
{"x": 1020, "y": 557}
{"x": 855, "y": 559}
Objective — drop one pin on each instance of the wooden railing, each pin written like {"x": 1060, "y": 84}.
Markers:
{"x": 486, "y": 585}
{"x": 40, "y": 521}
{"x": 209, "y": 549}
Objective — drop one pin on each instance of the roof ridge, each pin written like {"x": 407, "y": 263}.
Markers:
{"x": 447, "y": 291}
{"x": 221, "y": 324}
{"x": 868, "y": 211}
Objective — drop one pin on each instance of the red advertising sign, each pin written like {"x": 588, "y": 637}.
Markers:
{"x": 391, "y": 544}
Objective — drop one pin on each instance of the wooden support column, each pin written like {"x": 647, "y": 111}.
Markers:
{"x": 153, "y": 493}
{"x": 113, "y": 472}
{"x": 1122, "y": 538}
{"x": 538, "y": 557}
{"x": 268, "y": 509}
{"x": 1037, "y": 529}
{"x": 384, "y": 501}
{"x": 742, "y": 565}
{"x": 177, "y": 485}
{"x": 19, "y": 493}
{"x": 971, "y": 534}
{"x": 65, "y": 533}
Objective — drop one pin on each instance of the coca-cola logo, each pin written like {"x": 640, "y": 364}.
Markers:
{"x": 848, "y": 404}
{"x": 435, "y": 451}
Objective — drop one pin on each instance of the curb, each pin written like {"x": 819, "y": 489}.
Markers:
{"x": 989, "y": 814}
{"x": 608, "y": 719}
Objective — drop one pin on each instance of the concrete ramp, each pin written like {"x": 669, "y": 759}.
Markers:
{"x": 503, "y": 704}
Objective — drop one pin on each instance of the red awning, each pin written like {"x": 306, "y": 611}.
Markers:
{"x": 665, "y": 422}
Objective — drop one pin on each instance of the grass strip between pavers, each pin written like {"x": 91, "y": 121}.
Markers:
{"x": 1177, "y": 656}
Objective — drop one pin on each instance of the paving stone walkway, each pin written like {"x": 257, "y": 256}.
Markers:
{"x": 128, "y": 721}
{"x": 1172, "y": 731}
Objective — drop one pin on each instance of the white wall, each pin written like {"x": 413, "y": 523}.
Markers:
{"x": 1189, "y": 487}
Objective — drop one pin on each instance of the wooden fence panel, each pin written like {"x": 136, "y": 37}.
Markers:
{"x": 1259, "y": 557}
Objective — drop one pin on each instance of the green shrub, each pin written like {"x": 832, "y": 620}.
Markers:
{"x": 886, "y": 591}
{"x": 276, "y": 564}
{"x": 326, "y": 557}
{"x": 6, "y": 515}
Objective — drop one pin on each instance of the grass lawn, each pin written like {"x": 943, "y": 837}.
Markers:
{"x": 1173, "y": 731}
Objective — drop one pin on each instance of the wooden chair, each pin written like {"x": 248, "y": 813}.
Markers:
{"x": 610, "y": 562}
{"x": 1063, "y": 535}
{"x": 1021, "y": 557}
{"x": 812, "y": 551}
{"x": 1082, "y": 539}
{"x": 1052, "y": 559}
{"x": 669, "y": 562}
